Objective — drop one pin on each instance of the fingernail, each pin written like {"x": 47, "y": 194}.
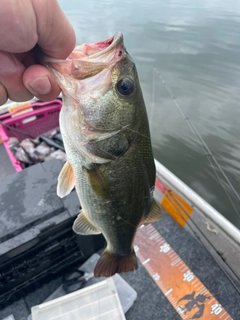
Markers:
{"x": 7, "y": 62}
{"x": 41, "y": 85}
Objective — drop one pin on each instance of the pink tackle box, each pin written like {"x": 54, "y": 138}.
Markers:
{"x": 42, "y": 117}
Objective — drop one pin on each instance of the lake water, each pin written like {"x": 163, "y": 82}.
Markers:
{"x": 194, "y": 46}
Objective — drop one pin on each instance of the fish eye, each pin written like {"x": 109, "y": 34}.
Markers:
{"x": 125, "y": 86}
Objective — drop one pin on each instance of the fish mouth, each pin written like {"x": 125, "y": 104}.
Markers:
{"x": 98, "y": 49}
{"x": 89, "y": 59}
{"x": 92, "y": 51}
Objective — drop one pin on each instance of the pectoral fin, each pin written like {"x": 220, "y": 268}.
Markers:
{"x": 66, "y": 180}
{"x": 155, "y": 213}
{"x": 83, "y": 225}
{"x": 98, "y": 181}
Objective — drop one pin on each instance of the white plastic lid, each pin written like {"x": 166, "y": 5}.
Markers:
{"x": 99, "y": 302}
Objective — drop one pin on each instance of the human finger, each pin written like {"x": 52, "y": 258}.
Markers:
{"x": 41, "y": 83}
{"x": 3, "y": 95}
{"x": 29, "y": 22}
{"x": 56, "y": 36}
{"x": 18, "y": 32}
{"x": 11, "y": 72}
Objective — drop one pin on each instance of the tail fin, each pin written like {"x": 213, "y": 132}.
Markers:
{"x": 110, "y": 263}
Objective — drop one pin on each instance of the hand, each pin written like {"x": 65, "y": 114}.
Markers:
{"x": 23, "y": 24}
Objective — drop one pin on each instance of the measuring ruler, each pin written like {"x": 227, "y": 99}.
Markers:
{"x": 190, "y": 298}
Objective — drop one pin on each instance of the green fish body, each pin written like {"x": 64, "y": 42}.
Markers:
{"x": 106, "y": 136}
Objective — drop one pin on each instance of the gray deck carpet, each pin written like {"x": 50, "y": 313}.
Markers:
{"x": 6, "y": 166}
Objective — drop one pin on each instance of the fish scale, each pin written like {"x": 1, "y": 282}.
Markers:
{"x": 187, "y": 294}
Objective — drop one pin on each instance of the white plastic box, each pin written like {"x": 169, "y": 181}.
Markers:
{"x": 127, "y": 295}
{"x": 99, "y": 301}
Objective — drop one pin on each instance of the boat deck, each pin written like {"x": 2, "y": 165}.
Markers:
{"x": 151, "y": 303}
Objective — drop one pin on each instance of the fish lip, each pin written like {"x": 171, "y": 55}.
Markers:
{"x": 116, "y": 40}
{"x": 115, "y": 45}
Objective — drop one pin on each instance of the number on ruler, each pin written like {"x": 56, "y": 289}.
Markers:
{"x": 165, "y": 248}
{"x": 156, "y": 276}
{"x": 216, "y": 309}
{"x": 188, "y": 276}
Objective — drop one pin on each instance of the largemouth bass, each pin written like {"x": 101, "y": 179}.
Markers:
{"x": 106, "y": 136}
